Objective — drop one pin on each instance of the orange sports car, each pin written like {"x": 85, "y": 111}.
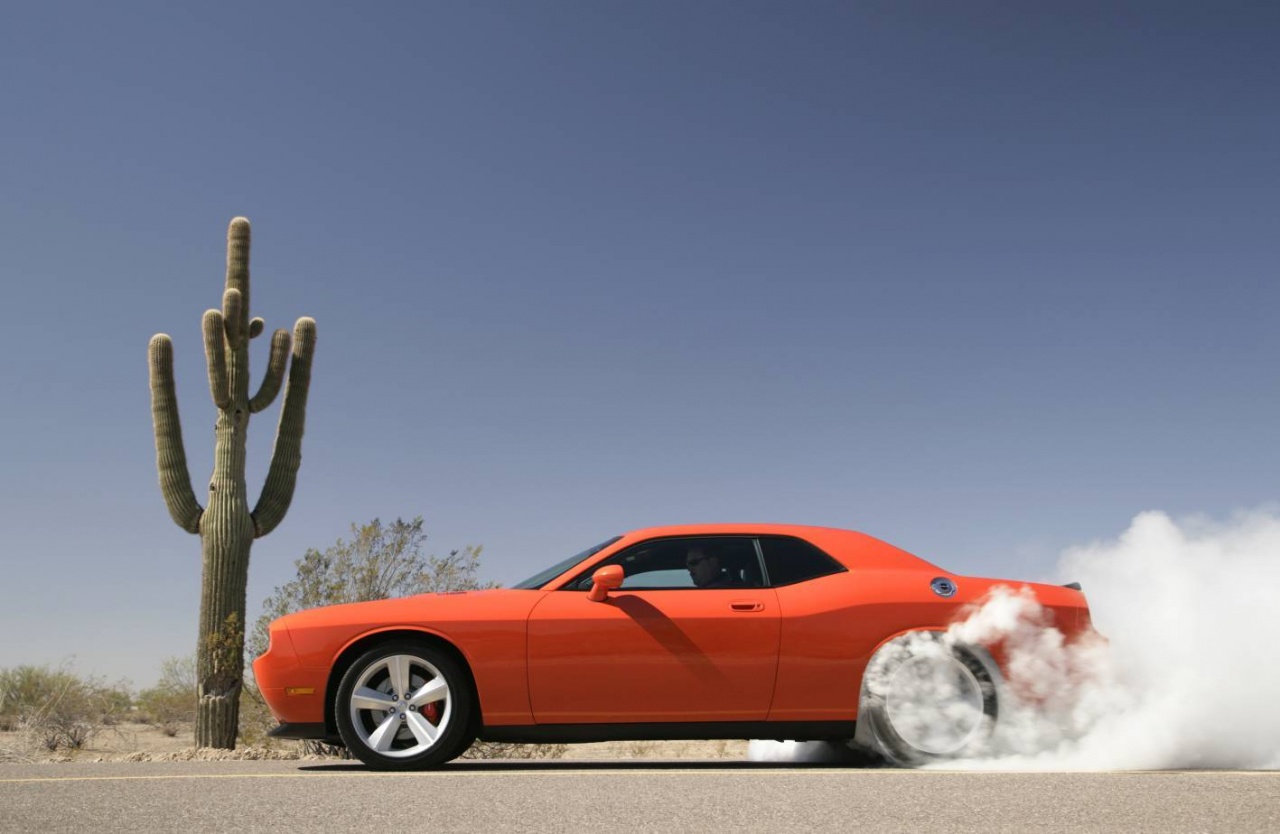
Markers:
{"x": 693, "y": 632}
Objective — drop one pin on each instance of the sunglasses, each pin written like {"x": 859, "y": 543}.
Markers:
{"x": 695, "y": 561}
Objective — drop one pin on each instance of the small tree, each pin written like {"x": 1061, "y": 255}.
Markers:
{"x": 380, "y": 561}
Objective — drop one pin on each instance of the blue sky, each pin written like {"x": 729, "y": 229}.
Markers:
{"x": 984, "y": 280}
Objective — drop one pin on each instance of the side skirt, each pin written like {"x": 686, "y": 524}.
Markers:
{"x": 674, "y": 731}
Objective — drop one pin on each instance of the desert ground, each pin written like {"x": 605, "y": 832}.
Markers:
{"x": 129, "y": 742}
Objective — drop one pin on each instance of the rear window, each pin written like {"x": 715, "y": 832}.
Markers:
{"x": 791, "y": 560}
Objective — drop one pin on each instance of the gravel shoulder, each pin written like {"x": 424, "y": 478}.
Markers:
{"x": 146, "y": 743}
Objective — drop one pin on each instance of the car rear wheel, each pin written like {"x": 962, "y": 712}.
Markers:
{"x": 404, "y": 705}
{"x": 925, "y": 700}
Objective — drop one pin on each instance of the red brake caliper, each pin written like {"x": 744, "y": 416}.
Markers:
{"x": 432, "y": 712}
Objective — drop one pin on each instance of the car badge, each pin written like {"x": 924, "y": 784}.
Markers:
{"x": 943, "y": 587}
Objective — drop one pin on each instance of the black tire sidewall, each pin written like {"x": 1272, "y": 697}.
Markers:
{"x": 451, "y": 742}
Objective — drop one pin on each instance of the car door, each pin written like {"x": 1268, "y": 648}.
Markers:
{"x": 660, "y": 648}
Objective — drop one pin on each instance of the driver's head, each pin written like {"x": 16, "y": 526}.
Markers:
{"x": 703, "y": 567}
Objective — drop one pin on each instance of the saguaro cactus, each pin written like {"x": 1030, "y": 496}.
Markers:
{"x": 226, "y": 525}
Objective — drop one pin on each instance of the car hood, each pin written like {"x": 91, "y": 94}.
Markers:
{"x": 494, "y": 603}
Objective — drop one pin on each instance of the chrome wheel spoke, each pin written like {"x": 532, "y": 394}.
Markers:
{"x": 436, "y": 689}
{"x": 382, "y": 737}
{"x": 423, "y": 730}
{"x": 366, "y": 698}
{"x": 398, "y": 668}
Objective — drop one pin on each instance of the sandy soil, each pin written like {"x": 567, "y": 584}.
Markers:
{"x": 144, "y": 743}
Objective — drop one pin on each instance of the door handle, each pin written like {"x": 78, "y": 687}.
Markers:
{"x": 747, "y": 606}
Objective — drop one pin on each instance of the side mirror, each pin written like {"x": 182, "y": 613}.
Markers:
{"x": 609, "y": 578}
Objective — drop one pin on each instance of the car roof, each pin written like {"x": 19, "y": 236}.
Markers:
{"x": 838, "y": 542}
{"x": 724, "y": 529}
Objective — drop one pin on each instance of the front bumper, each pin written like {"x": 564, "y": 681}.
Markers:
{"x": 305, "y": 732}
{"x": 294, "y": 694}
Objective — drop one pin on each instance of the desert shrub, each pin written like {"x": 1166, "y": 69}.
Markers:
{"x": 171, "y": 703}
{"x": 56, "y": 708}
{"x": 256, "y": 719}
{"x": 115, "y": 703}
{"x": 502, "y": 750}
{"x": 380, "y": 561}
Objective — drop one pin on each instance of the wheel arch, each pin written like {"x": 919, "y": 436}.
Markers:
{"x": 350, "y": 652}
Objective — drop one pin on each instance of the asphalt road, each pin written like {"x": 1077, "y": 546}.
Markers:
{"x": 622, "y": 796}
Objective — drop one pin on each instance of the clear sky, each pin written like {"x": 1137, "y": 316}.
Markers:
{"x": 981, "y": 279}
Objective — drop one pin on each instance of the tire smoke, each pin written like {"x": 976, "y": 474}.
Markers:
{"x": 1185, "y": 674}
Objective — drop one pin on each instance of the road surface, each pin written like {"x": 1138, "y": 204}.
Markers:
{"x": 562, "y": 795}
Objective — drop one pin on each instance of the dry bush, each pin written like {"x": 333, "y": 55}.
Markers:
{"x": 171, "y": 703}
{"x": 639, "y": 749}
{"x": 256, "y": 721}
{"x": 380, "y": 561}
{"x": 311, "y": 747}
{"x": 212, "y": 754}
{"x": 11, "y": 753}
{"x": 56, "y": 709}
{"x": 502, "y": 750}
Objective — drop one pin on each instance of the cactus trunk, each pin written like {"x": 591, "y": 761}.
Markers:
{"x": 226, "y": 535}
{"x": 227, "y": 526}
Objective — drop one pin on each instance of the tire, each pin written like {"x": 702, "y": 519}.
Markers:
{"x": 422, "y": 728}
{"x": 925, "y": 700}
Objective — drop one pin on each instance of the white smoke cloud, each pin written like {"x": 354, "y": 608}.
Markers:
{"x": 1188, "y": 675}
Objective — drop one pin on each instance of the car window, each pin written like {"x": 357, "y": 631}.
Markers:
{"x": 542, "y": 577}
{"x": 791, "y": 560}
{"x": 668, "y": 578}
{"x": 691, "y": 562}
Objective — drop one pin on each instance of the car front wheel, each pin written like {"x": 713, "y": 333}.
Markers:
{"x": 404, "y": 705}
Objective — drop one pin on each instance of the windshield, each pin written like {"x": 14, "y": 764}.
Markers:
{"x": 543, "y": 577}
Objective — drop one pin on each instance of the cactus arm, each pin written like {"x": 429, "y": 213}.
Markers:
{"x": 286, "y": 456}
{"x": 238, "y": 268}
{"x": 171, "y": 458}
{"x": 275, "y": 371}
{"x": 256, "y": 327}
{"x": 216, "y": 358}
{"x": 232, "y": 315}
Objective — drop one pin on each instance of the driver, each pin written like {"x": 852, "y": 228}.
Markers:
{"x": 706, "y": 571}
